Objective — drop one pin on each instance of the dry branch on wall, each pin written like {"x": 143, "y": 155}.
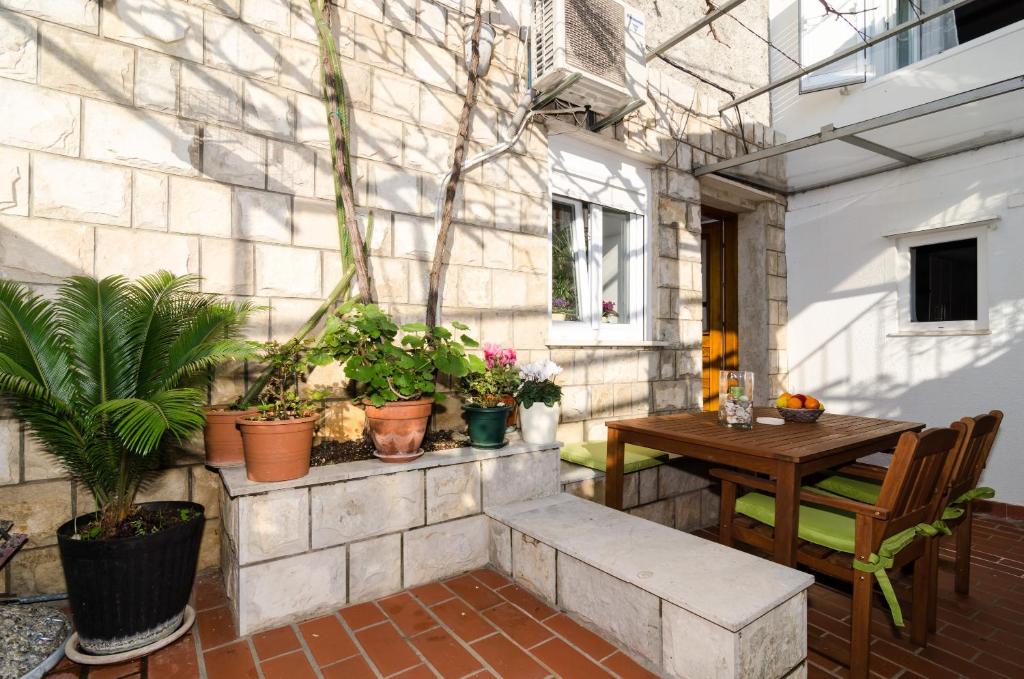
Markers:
{"x": 461, "y": 141}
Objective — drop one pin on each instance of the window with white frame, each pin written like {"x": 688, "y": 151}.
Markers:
{"x": 941, "y": 275}
{"x": 599, "y": 239}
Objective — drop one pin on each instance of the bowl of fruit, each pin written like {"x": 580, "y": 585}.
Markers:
{"x": 798, "y": 407}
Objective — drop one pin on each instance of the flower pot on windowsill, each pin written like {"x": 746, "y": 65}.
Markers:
{"x": 557, "y": 316}
{"x": 539, "y": 422}
{"x": 487, "y": 425}
{"x": 397, "y": 429}
{"x": 277, "y": 450}
{"x": 222, "y": 438}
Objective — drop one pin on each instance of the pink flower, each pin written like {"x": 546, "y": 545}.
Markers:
{"x": 495, "y": 356}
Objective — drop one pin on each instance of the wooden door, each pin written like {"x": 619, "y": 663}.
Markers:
{"x": 719, "y": 257}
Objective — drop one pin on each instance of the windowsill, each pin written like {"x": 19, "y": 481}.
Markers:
{"x": 607, "y": 344}
{"x": 940, "y": 333}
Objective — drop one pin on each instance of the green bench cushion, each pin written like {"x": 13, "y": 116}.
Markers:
{"x": 861, "y": 490}
{"x": 823, "y": 526}
{"x": 592, "y": 455}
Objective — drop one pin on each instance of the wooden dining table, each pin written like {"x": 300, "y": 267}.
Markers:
{"x": 788, "y": 453}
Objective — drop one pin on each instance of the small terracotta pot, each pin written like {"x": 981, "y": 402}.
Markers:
{"x": 513, "y": 415}
{"x": 277, "y": 450}
{"x": 222, "y": 438}
{"x": 398, "y": 428}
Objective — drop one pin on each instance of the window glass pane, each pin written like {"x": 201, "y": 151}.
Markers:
{"x": 615, "y": 267}
{"x": 565, "y": 289}
{"x": 944, "y": 278}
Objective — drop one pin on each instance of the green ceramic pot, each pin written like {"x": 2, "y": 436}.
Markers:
{"x": 487, "y": 425}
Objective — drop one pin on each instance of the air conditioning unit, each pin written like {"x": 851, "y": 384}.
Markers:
{"x": 602, "y": 40}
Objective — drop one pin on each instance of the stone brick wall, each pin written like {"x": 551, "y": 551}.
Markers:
{"x": 190, "y": 136}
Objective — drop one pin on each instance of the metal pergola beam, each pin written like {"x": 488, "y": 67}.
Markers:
{"x": 706, "y": 20}
{"x": 867, "y": 145}
{"x": 840, "y": 133}
{"x": 839, "y": 56}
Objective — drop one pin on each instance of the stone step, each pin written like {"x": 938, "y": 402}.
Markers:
{"x": 688, "y": 606}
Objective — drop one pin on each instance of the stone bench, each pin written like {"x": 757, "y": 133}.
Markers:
{"x": 687, "y": 606}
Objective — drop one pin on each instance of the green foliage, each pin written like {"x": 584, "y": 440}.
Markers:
{"x": 288, "y": 366}
{"x": 110, "y": 369}
{"x": 546, "y": 392}
{"x": 487, "y": 387}
{"x": 387, "y": 368}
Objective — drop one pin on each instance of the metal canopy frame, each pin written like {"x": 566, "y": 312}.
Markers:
{"x": 848, "y": 134}
{"x": 706, "y": 20}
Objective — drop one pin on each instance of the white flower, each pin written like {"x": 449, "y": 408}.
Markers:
{"x": 539, "y": 371}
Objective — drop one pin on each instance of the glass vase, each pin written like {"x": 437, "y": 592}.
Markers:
{"x": 736, "y": 398}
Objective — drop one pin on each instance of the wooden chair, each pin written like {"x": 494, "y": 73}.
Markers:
{"x": 851, "y": 540}
{"x": 862, "y": 482}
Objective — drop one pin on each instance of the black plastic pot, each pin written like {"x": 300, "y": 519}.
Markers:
{"x": 126, "y": 593}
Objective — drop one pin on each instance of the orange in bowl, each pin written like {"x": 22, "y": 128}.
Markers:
{"x": 795, "y": 402}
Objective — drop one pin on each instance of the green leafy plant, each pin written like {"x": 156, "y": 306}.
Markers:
{"x": 387, "y": 368}
{"x": 288, "y": 367}
{"x": 108, "y": 370}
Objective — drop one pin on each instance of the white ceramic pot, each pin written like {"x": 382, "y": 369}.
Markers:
{"x": 539, "y": 422}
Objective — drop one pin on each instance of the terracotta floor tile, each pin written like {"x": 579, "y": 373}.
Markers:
{"x": 407, "y": 613}
{"x": 362, "y": 615}
{"x": 507, "y": 659}
{"x": 433, "y": 593}
{"x": 476, "y": 594}
{"x": 567, "y": 662}
{"x": 125, "y": 669}
{"x": 209, "y": 592}
{"x": 418, "y": 672}
{"x": 216, "y": 627}
{"x": 482, "y": 675}
{"x": 445, "y": 653}
{"x": 328, "y": 640}
{"x": 580, "y": 637}
{"x": 275, "y": 642}
{"x": 491, "y": 578}
{"x": 387, "y": 649}
{"x": 626, "y": 667}
{"x": 288, "y": 666}
{"x": 463, "y": 620}
{"x": 177, "y": 661}
{"x": 526, "y": 601}
{"x": 517, "y": 625}
{"x": 233, "y": 661}
{"x": 355, "y": 667}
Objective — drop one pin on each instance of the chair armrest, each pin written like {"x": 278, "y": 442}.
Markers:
{"x": 811, "y": 497}
{"x": 745, "y": 480}
{"x": 863, "y": 471}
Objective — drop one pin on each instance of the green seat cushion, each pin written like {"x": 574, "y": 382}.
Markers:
{"x": 823, "y": 526}
{"x": 861, "y": 490}
{"x": 592, "y": 455}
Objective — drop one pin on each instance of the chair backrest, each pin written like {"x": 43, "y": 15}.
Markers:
{"x": 918, "y": 479}
{"x": 972, "y": 456}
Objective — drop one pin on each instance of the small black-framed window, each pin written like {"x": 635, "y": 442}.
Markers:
{"x": 944, "y": 281}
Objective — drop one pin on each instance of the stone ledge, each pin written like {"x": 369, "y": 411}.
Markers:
{"x": 237, "y": 485}
{"x": 727, "y": 587}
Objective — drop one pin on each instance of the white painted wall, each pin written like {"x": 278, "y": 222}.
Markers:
{"x": 843, "y": 300}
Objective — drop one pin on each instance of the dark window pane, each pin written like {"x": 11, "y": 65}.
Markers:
{"x": 985, "y": 16}
{"x": 944, "y": 281}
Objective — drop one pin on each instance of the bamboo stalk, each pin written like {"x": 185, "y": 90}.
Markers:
{"x": 461, "y": 141}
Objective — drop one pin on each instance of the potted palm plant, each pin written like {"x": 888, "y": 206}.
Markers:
{"x": 489, "y": 395}
{"x": 277, "y": 439}
{"x": 539, "y": 399}
{"x": 104, "y": 375}
{"x": 395, "y": 379}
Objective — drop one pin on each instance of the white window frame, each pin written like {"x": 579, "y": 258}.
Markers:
{"x": 904, "y": 277}
{"x": 590, "y": 328}
{"x": 849, "y": 71}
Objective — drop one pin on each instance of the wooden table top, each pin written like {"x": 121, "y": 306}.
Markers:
{"x": 795, "y": 441}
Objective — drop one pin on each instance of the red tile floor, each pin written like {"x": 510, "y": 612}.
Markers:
{"x": 480, "y": 625}
{"x": 476, "y": 625}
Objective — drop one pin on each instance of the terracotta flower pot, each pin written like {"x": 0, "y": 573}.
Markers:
{"x": 513, "y": 415}
{"x": 398, "y": 428}
{"x": 277, "y": 450}
{"x": 222, "y": 438}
